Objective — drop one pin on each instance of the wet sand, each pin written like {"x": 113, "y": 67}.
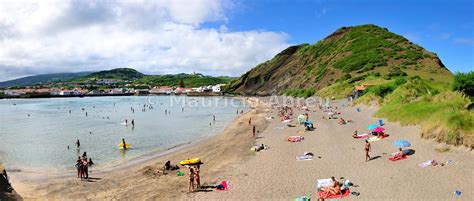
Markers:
{"x": 274, "y": 174}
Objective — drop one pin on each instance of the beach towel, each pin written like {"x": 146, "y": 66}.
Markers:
{"x": 425, "y": 164}
{"x": 295, "y": 138}
{"x": 327, "y": 195}
{"x": 376, "y": 138}
{"x": 304, "y": 157}
{"x": 301, "y": 131}
{"x": 223, "y": 186}
{"x": 364, "y": 135}
{"x": 286, "y": 121}
{"x": 323, "y": 183}
{"x": 398, "y": 158}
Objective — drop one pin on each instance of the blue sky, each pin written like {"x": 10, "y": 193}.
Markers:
{"x": 443, "y": 27}
{"x": 213, "y": 37}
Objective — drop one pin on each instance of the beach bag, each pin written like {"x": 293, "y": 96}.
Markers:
{"x": 224, "y": 186}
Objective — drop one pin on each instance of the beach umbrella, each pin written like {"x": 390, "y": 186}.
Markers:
{"x": 402, "y": 143}
{"x": 379, "y": 129}
{"x": 371, "y": 126}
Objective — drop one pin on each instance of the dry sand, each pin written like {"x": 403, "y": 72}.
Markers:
{"x": 274, "y": 174}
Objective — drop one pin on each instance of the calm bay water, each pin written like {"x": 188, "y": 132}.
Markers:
{"x": 39, "y": 141}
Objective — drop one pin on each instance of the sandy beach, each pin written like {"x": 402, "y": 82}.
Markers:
{"x": 274, "y": 174}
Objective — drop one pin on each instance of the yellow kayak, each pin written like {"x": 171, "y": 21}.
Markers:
{"x": 190, "y": 161}
{"x": 121, "y": 145}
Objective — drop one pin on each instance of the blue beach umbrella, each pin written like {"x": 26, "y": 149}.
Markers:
{"x": 372, "y": 126}
{"x": 402, "y": 143}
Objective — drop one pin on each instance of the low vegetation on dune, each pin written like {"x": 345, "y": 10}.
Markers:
{"x": 442, "y": 113}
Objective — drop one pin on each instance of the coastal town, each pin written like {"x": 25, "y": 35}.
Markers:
{"x": 106, "y": 87}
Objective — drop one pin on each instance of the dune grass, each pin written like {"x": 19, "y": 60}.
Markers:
{"x": 441, "y": 113}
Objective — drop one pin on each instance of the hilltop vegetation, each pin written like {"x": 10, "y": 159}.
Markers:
{"x": 118, "y": 74}
{"x": 121, "y": 76}
{"x": 182, "y": 80}
{"x": 350, "y": 53}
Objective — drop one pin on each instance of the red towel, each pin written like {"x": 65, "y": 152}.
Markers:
{"x": 397, "y": 158}
{"x": 327, "y": 195}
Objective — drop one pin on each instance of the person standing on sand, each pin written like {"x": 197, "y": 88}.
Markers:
{"x": 191, "y": 180}
{"x": 78, "y": 167}
{"x": 250, "y": 121}
{"x": 254, "y": 130}
{"x": 367, "y": 150}
{"x": 197, "y": 178}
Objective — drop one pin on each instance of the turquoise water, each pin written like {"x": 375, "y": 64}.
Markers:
{"x": 40, "y": 141}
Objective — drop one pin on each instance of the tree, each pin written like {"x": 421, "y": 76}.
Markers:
{"x": 464, "y": 82}
{"x": 181, "y": 83}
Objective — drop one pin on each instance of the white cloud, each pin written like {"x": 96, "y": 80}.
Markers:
{"x": 160, "y": 36}
{"x": 464, "y": 41}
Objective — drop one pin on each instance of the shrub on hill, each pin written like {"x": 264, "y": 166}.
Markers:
{"x": 464, "y": 82}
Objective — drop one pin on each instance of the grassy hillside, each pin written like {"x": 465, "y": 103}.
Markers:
{"x": 183, "y": 80}
{"x": 119, "y": 74}
{"x": 348, "y": 53}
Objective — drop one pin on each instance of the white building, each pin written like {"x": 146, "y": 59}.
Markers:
{"x": 217, "y": 88}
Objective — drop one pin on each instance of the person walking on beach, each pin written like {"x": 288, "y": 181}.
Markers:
{"x": 254, "y": 130}
{"x": 78, "y": 144}
{"x": 250, "y": 121}
{"x": 367, "y": 150}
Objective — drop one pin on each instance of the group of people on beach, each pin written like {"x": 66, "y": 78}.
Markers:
{"x": 82, "y": 166}
{"x": 194, "y": 178}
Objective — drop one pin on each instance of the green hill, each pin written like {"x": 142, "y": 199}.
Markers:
{"x": 350, "y": 53}
{"x": 409, "y": 84}
{"x": 118, "y": 74}
{"x": 42, "y": 79}
{"x": 184, "y": 80}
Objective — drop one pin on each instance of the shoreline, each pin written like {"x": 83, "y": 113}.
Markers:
{"x": 112, "y": 166}
{"x": 29, "y": 189}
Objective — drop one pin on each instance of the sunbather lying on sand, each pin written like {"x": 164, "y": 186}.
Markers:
{"x": 341, "y": 121}
{"x": 354, "y": 135}
{"x": 334, "y": 189}
{"x": 400, "y": 153}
